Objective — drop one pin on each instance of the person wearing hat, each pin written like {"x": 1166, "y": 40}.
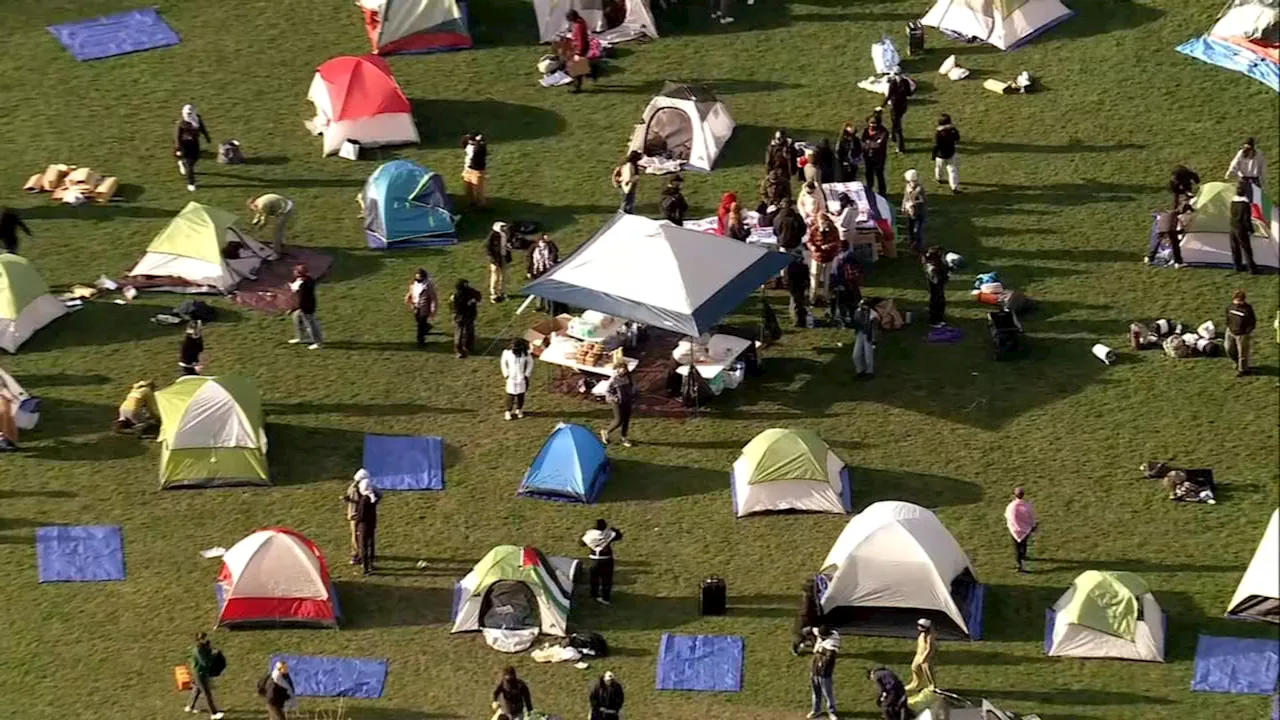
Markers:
{"x": 606, "y": 698}
{"x": 1020, "y": 518}
{"x": 1248, "y": 164}
{"x": 475, "y": 161}
{"x": 422, "y": 299}
{"x": 673, "y": 205}
{"x": 498, "y": 248}
{"x": 913, "y": 207}
{"x": 277, "y": 690}
{"x": 822, "y": 672}
{"x": 922, "y": 663}
{"x": 891, "y": 697}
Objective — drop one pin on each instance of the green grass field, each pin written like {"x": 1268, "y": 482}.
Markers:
{"x": 1060, "y": 184}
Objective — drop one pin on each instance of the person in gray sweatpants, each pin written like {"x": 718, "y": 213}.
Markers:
{"x": 865, "y": 323}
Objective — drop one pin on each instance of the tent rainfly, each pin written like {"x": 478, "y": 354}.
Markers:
{"x": 415, "y": 26}
{"x": 406, "y": 205}
{"x": 684, "y": 122}
{"x": 789, "y": 470}
{"x": 1005, "y": 24}
{"x": 515, "y": 588}
{"x": 1246, "y": 38}
{"x": 275, "y": 577}
{"x": 1106, "y": 615}
{"x": 659, "y": 274}
{"x": 1207, "y": 237}
{"x": 1258, "y": 596}
{"x": 189, "y": 254}
{"x": 357, "y": 99}
{"x": 638, "y": 22}
{"x": 571, "y": 466}
{"x": 25, "y": 302}
{"x": 211, "y": 433}
{"x": 893, "y": 563}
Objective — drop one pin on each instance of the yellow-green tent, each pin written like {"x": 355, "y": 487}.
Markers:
{"x": 25, "y": 302}
{"x": 784, "y": 469}
{"x": 211, "y": 433}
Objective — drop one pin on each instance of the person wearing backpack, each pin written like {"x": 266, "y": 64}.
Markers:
{"x": 673, "y": 204}
{"x": 206, "y": 664}
{"x": 626, "y": 177}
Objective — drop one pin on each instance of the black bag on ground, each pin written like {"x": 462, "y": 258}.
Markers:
{"x": 771, "y": 331}
{"x": 590, "y": 643}
{"x": 197, "y": 310}
{"x": 229, "y": 153}
{"x": 714, "y": 597}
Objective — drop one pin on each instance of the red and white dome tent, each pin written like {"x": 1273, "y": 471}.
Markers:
{"x": 275, "y": 577}
{"x": 357, "y": 98}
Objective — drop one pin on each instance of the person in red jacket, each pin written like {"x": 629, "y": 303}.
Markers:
{"x": 824, "y": 245}
{"x": 579, "y": 46}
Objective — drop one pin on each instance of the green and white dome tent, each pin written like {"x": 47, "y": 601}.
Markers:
{"x": 25, "y": 302}
{"x": 211, "y": 433}
{"x": 515, "y": 589}
{"x": 784, "y": 469}
{"x": 1106, "y": 614}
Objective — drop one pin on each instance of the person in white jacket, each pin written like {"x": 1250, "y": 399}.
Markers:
{"x": 517, "y": 366}
{"x": 1248, "y": 164}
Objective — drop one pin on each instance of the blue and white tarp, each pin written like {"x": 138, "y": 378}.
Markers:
{"x": 397, "y": 462}
{"x": 711, "y": 663}
{"x": 1236, "y": 665}
{"x": 321, "y": 676}
{"x": 118, "y": 34}
{"x": 1233, "y": 57}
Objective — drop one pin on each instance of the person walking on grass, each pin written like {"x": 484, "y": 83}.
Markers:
{"x": 848, "y": 153}
{"x": 422, "y": 299}
{"x": 464, "y": 305}
{"x": 186, "y": 143}
{"x": 866, "y": 323}
{"x": 277, "y": 691}
{"x": 512, "y": 697}
{"x": 275, "y": 207}
{"x": 1240, "y": 324}
{"x": 620, "y": 394}
{"x": 914, "y": 209}
{"x": 1248, "y": 164}
{"x": 945, "y": 139}
{"x": 206, "y": 664}
{"x": 190, "y": 350}
{"x": 599, "y": 540}
{"x": 517, "y": 367}
{"x": 626, "y": 178}
{"x": 475, "y": 163}
{"x": 305, "y": 324}
{"x": 367, "y": 497}
{"x": 875, "y": 153}
{"x": 498, "y": 248}
{"x": 922, "y": 664}
{"x": 897, "y": 98}
{"x": 607, "y": 698}
{"x": 1241, "y": 232}
{"x": 822, "y": 672}
{"x": 937, "y": 274}
{"x": 351, "y": 500}
{"x": 891, "y": 696}
{"x": 1020, "y": 518}
{"x": 673, "y": 205}
{"x": 10, "y": 224}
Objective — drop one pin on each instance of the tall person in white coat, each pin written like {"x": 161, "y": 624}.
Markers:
{"x": 517, "y": 366}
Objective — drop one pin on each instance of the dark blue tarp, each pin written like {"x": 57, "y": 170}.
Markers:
{"x": 572, "y": 466}
{"x": 1233, "y": 57}
{"x": 321, "y": 676}
{"x": 118, "y": 34}
{"x": 80, "y": 553}
{"x": 398, "y": 462}
{"x": 711, "y": 663}
{"x": 1236, "y": 665}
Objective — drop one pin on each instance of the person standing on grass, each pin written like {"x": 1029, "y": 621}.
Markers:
{"x": 922, "y": 664}
{"x": 276, "y": 689}
{"x": 541, "y": 258}
{"x": 824, "y": 245}
{"x": 422, "y": 299}
{"x": 797, "y": 276}
{"x": 1248, "y": 164}
{"x": 620, "y": 393}
{"x": 875, "y": 153}
{"x": 866, "y": 323}
{"x": 822, "y": 672}
{"x": 945, "y": 139}
{"x": 464, "y": 305}
{"x": 512, "y": 697}
{"x": 788, "y": 226}
{"x": 599, "y": 540}
{"x": 607, "y": 698}
{"x": 1020, "y": 518}
{"x": 10, "y": 224}
{"x": 826, "y": 158}
{"x": 367, "y": 497}
{"x": 914, "y": 209}
{"x": 191, "y": 349}
{"x": 626, "y": 177}
{"x": 579, "y": 47}
{"x": 517, "y": 367}
{"x": 848, "y": 153}
{"x": 897, "y": 98}
{"x": 1241, "y": 233}
{"x": 305, "y": 324}
{"x": 206, "y": 664}
{"x": 1240, "y": 324}
{"x": 186, "y": 143}
{"x": 673, "y": 205}
{"x": 276, "y": 207}
{"x": 475, "y": 163}
{"x": 781, "y": 154}
{"x": 498, "y": 248}
{"x": 937, "y": 274}
{"x": 351, "y": 499}
{"x": 891, "y": 696}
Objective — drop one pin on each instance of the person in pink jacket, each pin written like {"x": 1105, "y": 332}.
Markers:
{"x": 1020, "y": 517}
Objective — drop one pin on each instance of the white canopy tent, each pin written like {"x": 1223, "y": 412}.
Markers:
{"x": 686, "y": 123}
{"x": 637, "y": 24}
{"x": 1258, "y": 596}
{"x": 1003, "y": 23}
{"x": 893, "y": 563}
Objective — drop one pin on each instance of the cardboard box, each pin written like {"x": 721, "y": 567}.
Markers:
{"x": 539, "y": 336}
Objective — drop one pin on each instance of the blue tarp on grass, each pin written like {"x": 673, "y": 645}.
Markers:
{"x": 321, "y": 676}
{"x": 118, "y": 34}
{"x": 1236, "y": 665}
{"x": 1233, "y": 57}
{"x": 399, "y": 462}
{"x": 711, "y": 663}
{"x": 80, "y": 553}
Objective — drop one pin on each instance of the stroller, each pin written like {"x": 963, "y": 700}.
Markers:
{"x": 1004, "y": 328}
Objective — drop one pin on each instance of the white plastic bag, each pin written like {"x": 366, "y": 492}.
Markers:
{"x": 885, "y": 56}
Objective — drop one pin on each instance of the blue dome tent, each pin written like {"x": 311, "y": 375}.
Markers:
{"x": 571, "y": 467}
{"x": 406, "y": 205}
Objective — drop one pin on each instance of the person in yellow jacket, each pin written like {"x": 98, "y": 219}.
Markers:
{"x": 922, "y": 664}
{"x": 139, "y": 407}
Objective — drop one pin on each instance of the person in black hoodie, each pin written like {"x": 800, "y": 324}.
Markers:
{"x": 606, "y": 698}
{"x": 10, "y": 223}
{"x": 898, "y": 98}
{"x": 186, "y": 143}
{"x": 875, "y": 152}
{"x": 848, "y": 153}
{"x": 1242, "y": 228}
{"x": 600, "y": 540}
{"x": 891, "y": 694}
{"x": 190, "y": 350}
{"x": 673, "y": 203}
{"x": 797, "y": 274}
{"x": 936, "y": 272}
{"x": 1182, "y": 183}
{"x": 945, "y": 139}
{"x": 826, "y": 159}
{"x": 1240, "y": 324}
{"x": 512, "y": 697}
{"x": 788, "y": 226}
{"x": 498, "y": 248}
{"x": 465, "y": 306}
{"x": 305, "y": 325}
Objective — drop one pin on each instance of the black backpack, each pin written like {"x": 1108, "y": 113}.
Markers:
{"x": 217, "y": 663}
{"x": 229, "y": 153}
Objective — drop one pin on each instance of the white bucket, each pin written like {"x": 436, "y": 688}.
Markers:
{"x": 1104, "y": 353}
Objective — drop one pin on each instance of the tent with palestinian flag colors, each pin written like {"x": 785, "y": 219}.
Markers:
{"x": 515, "y": 588}
{"x": 1207, "y": 234}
